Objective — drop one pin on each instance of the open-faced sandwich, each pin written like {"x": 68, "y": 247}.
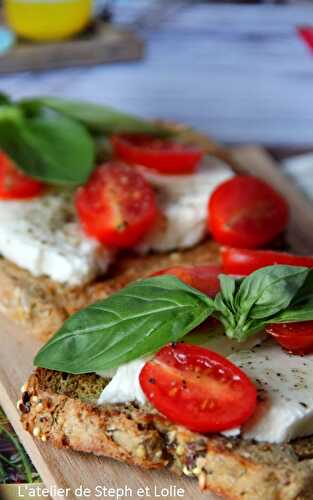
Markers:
{"x": 88, "y": 194}
{"x": 171, "y": 358}
{"x": 161, "y": 374}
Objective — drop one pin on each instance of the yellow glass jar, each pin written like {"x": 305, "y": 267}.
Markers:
{"x": 47, "y": 20}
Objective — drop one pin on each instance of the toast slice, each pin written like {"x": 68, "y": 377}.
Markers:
{"x": 41, "y": 305}
{"x": 61, "y": 409}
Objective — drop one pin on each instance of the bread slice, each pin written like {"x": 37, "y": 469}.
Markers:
{"x": 61, "y": 409}
{"x": 41, "y": 305}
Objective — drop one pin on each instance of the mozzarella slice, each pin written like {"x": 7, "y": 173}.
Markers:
{"x": 124, "y": 386}
{"x": 284, "y": 382}
{"x": 43, "y": 236}
{"x": 284, "y": 385}
{"x": 183, "y": 200}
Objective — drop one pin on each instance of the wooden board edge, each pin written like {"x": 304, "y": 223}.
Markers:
{"x": 128, "y": 47}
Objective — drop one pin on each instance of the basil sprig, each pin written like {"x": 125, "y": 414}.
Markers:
{"x": 148, "y": 314}
{"x": 271, "y": 294}
{"x": 53, "y": 139}
{"x": 136, "y": 321}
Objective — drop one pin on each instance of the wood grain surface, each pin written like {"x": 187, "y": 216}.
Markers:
{"x": 65, "y": 469}
{"x": 105, "y": 45}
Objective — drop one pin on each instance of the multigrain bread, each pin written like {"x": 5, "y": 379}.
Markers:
{"x": 61, "y": 409}
{"x": 41, "y": 305}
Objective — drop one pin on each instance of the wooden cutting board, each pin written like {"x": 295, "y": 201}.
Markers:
{"x": 105, "y": 44}
{"x": 65, "y": 469}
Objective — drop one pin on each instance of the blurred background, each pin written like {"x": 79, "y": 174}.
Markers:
{"x": 241, "y": 72}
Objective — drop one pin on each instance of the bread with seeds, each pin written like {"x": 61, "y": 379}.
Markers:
{"x": 61, "y": 409}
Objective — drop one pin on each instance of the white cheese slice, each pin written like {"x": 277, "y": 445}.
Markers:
{"x": 183, "y": 200}
{"x": 124, "y": 386}
{"x": 284, "y": 384}
{"x": 43, "y": 236}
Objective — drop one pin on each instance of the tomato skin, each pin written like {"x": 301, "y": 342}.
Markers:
{"x": 204, "y": 278}
{"x": 245, "y": 212}
{"x": 117, "y": 206}
{"x": 244, "y": 261}
{"x": 163, "y": 155}
{"x": 296, "y": 338}
{"x": 14, "y": 184}
{"x": 198, "y": 388}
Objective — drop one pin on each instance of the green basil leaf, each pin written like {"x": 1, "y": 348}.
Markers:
{"x": 228, "y": 290}
{"x": 136, "y": 321}
{"x": 269, "y": 290}
{"x": 225, "y": 302}
{"x": 305, "y": 292}
{"x": 302, "y": 312}
{"x": 245, "y": 306}
{"x": 54, "y": 149}
{"x": 95, "y": 117}
{"x": 4, "y": 99}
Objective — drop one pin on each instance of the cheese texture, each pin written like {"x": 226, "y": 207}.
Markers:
{"x": 284, "y": 382}
{"x": 124, "y": 386}
{"x": 183, "y": 200}
{"x": 43, "y": 236}
{"x": 285, "y": 407}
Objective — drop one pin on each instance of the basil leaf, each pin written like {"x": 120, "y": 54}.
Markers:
{"x": 228, "y": 290}
{"x": 54, "y": 149}
{"x": 303, "y": 312}
{"x": 306, "y": 291}
{"x": 245, "y": 306}
{"x": 4, "y": 99}
{"x": 269, "y": 290}
{"x": 95, "y": 117}
{"x": 136, "y": 321}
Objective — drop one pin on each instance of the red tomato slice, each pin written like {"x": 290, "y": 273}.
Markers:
{"x": 117, "y": 206}
{"x": 297, "y": 338}
{"x": 204, "y": 278}
{"x": 163, "y": 155}
{"x": 243, "y": 262}
{"x": 306, "y": 33}
{"x": 198, "y": 388}
{"x": 14, "y": 184}
{"x": 246, "y": 212}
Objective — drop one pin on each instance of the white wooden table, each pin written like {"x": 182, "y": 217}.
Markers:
{"x": 238, "y": 72}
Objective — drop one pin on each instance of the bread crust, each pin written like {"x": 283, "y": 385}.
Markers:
{"x": 61, "y": 408}
{"x": 41, "y": 305}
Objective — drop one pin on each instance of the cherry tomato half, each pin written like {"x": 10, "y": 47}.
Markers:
{"x": 297, "y": 338}
{"x": 204, "y": 278}
{"x": 163, "y": 155}
{"x": 241, "y": 261}
{"x": 198, "y": 388}
{"x": 117, "y": 206}
{"x": 246, "y": 212}
{"x": 14, "y": 184}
